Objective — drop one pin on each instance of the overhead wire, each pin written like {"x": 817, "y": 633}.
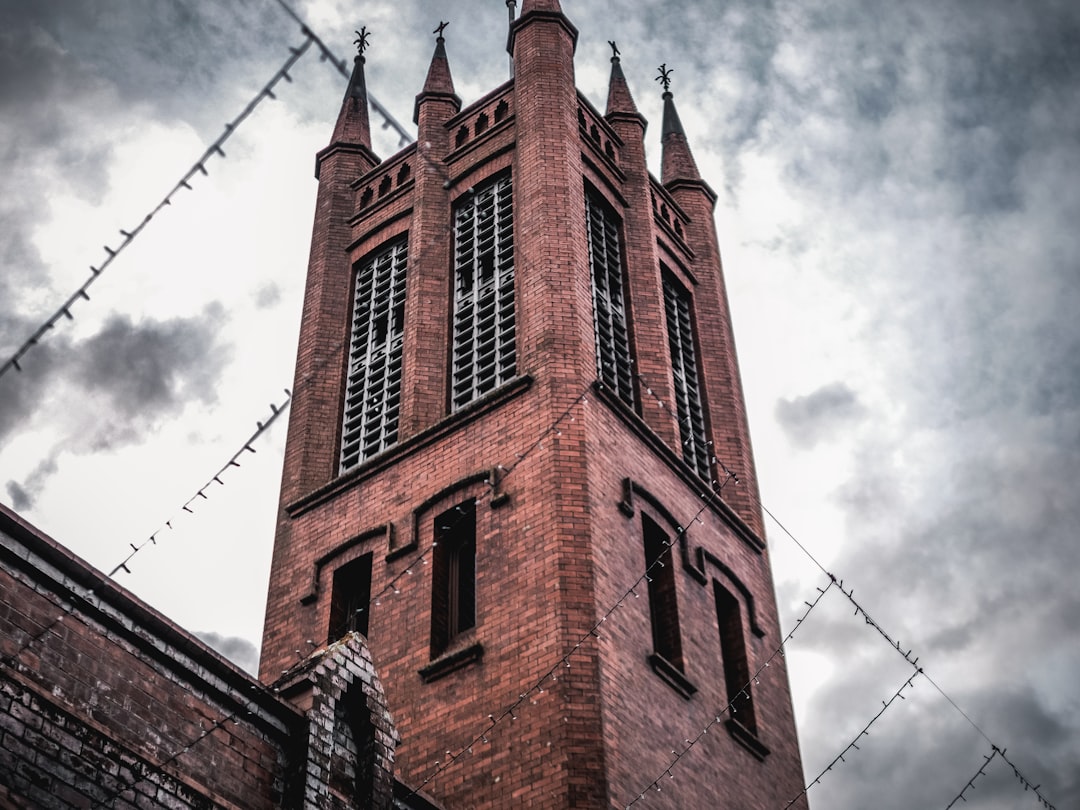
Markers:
{"x": 849, "y": 593}
{"x": 404, "y": 137}
{"x": 854, "y": 744}
{"x": 200, "y": 494}
{"x": 509, "y": 711}
{"x": 970, "y": 784}
{"x": 730, "y": 708}
{"x": 215, "y": 149}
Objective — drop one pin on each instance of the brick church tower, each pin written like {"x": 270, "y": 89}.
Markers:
{"x": 518, "y": 413}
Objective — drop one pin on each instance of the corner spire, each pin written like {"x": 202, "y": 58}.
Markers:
{"x": 353, "y": 126}
{"x": 677, "y": 162}
{"x": 439, "y": 83}
{"x": 619, "y": 100}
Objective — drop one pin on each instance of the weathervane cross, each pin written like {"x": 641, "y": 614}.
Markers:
{"x": 361, "y": 42}
{"x": 665, "y": 77}
{"x": 614, "y": 49}
{"x": 441, "y": 28}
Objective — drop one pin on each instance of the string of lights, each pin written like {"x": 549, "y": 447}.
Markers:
{"x": 970, "y": 785}
{"x": 859, "y": 609}
{"x": 389, "y": 122}
{"x": 510, "y": 711}
{"x": 91, "y": 599}
{"x": 65, "y": 311}
{"x": 393, "y": 587}
{"x": 743, "y": 693}
{"x": 1023, "y": 780}
{"x": 32, "y": 638}
{"x": 221, "y": 723}
{"x": 853, "y": 745}
{"x": 124, "y": 784}
{"x": 200, "y": 493}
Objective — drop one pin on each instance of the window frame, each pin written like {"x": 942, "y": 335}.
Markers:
{"x": 734, "y": 657}
{"x": 662, "y": 592}
{"x": 350, "y": 598}
{"x": 371, "y": 408}
{"x": 483, "y": 348}
{"x": 690, "y": 406}
{"x": 453, "y": 575}
{"x": 611, "y": 319}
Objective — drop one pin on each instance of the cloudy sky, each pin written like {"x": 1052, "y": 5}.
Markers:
{"x": 899, "y": 198}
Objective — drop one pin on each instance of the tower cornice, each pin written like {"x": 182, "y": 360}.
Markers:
{"x": 530, "y": 16}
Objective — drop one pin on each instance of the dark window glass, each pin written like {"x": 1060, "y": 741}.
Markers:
{"x": 733, "y": 651}
{"x": 663, "y": 606}
{"x": 686, "y": 378}
{"x": 453, "y": 593}
{"x": 350, "y": 599}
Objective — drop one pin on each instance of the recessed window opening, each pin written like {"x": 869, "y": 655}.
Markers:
{"x": 483, "y": 355}
{"x": 689, "y": 407}
{"x": 663, "y": 604}
{"x": 733, "y": 653}
{"x": 453, "y": 593}
{"x": 352, "y": 772}
{"x": 613, "y": 362}
{"x": 373, "y": 385}
{"x": 350, "y": 598}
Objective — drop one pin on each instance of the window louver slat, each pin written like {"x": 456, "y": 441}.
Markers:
{"x": 483, "y": 341}
{"x": 373, "y": 387}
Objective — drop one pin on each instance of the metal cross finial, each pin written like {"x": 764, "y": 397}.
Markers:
{"x": 361, "y": 42}
{"x": 614, "y": 49}
{"x": 665, "y": 77}
{"x": 441, "y": 28}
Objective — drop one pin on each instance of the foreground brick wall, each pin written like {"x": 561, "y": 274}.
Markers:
{"x": 104, "y": 702}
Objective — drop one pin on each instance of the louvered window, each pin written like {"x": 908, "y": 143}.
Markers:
{"x": 373, "y": 391}
{"x": 483, "y": 355}
{"x": 613, "y": 362}
{"x": 684, "y": 367}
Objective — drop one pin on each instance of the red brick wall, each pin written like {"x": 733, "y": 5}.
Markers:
{"x": 554, "y": 548}
{"x": 103, "y": 701}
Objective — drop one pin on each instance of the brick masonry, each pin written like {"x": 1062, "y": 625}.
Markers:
{"x": 559, "y": 471}
{"x": 105, "y": 703}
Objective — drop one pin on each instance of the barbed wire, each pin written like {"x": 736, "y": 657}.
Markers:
{"x": 64, "y": 312}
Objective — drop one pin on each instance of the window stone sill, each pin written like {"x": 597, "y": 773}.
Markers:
{"x": 451, "y": 662}
{"x": 672, "y": 675}
{"x": 746, "y": 738}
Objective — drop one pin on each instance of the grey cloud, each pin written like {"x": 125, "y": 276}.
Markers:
{"x": 127, "y": 378}
{"x": 268, "y": 295}
{"x": 21, "y": 500}
{"x": 822, "y": 414}
{"x": 237, "y": 649}
{"x": 152, "y": 368}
